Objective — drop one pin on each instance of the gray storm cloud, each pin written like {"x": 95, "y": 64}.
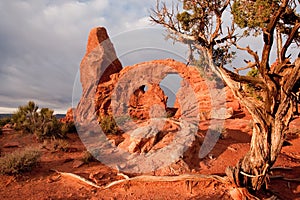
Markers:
{"x": 42, "y": 43}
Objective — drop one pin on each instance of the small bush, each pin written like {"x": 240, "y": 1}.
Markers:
{"x": 47, "y": 126}
{"x": 4, "y": 121}
{"x": 43, "y": 124}
{"x": 61, "y": 145}
{"x": 68, "y": 128}
{"x": 108, "y": 125}
{"x": 87, "y": 157}
{"x": 55, "y": 145}
{"x": 19, "y": 161}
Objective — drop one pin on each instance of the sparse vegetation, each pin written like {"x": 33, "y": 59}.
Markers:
{"x": 61, "y": 145}
{"x": 87, "y": 157}
{"x": 108, "y": 125}
{"x": 68, "y": 127}
{"x": 4, "y": 121}
{"x": 43, "y": 124}
{"x": 19, "y": 161}
{"x": 55, "y": 145}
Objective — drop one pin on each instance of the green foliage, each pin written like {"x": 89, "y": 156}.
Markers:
{"x": 24, "y": 118}
{"x": 19, "y": 161}
{"x": 196, "y": 20}
{"x": 4, "y": 121}
{"x": 108, "y": 125}
{"x": 196, "y": 15}
{"x": 252, "y": 90}
{"x": 43, "y": 124}
{"x": 68, "y": 127}
{"x": 185, "y": 19}
{"x": 253, "y": 14}
{"x": 47, "y": 125}
{"x": 253, "y": 72}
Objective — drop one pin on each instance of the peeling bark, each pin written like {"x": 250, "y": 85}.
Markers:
{"x": 268, "y": 133}
{"x": 272, "y": 115}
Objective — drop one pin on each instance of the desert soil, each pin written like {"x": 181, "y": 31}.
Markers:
{"x": 43, "y": 182}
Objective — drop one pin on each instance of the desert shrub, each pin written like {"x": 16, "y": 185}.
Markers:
{"x": 19, "y": 161}
{"x": 55, "y": 145}
{"x": 25, "y": 117}
{"x": 68, "y": 127}
{"x": 4, "y": 121}
{"x": 87, "y": 157}
{"x": 47, "y": 126}
{"x": 61, "y": 145}
{"x": 43, "y": 124}
{"x": 108, "y": 125}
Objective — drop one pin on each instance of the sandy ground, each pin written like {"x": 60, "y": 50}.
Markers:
{"x": 44, "y": 183}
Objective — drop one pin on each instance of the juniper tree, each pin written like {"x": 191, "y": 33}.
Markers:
{"x": 200, "y": 25}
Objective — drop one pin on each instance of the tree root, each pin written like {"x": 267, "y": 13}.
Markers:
{"x": 145, "y": 178}
{"x": 183, "y": 177}
{"x": 236, "y": 193}
{"x": 77, "y": 177}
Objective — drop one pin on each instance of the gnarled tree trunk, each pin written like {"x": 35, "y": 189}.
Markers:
{"x": 269, "y": 128}
{"x": 272, "y": 114}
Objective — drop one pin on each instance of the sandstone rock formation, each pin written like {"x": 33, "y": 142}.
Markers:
{"x": 134, "y": 93}
{"x": 69, "y": 118}
{"x": 202, "y": 93}
{"x": 97, "y": 66}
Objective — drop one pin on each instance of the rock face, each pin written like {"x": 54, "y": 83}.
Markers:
{"x": 141, "y": 102}
{"x": 101, "y": 74}
{"x": 97, "y": 66}
{"x": 134, "y": 92}
{"x": 69, "y": 118}
{"x": 193, "y": 90}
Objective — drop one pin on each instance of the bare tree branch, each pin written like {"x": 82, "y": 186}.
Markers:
{"x": 294, "y": 33}
{"x": 218, "y": 14}
{"x": 249, "y": 65}
{"x": 257, "y": 82}
{"x": 268, "y": 40}
{"x": 250, "y": 51}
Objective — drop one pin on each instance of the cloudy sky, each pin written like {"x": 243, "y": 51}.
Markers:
{"x": 42, "y": 43}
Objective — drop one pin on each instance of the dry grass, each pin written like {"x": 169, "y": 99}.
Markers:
{"x": 19, "y": 161}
